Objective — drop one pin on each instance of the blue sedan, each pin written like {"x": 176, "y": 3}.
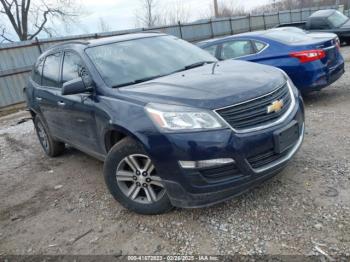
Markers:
{"x": 311, "y": 62}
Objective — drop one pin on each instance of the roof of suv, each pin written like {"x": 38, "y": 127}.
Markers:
{"x": 100, "y": 41}
{"x": 112, "y": 39}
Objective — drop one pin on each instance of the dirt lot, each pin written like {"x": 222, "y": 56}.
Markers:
{"x": 47, "y": 204}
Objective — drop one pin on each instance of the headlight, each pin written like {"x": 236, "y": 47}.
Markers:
{"x": 180, "y": 118}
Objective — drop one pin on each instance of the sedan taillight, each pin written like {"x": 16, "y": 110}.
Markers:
{"x": 308, "y": 55}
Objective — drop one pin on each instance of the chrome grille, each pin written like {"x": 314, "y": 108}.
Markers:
{"x": 254, "y": 113}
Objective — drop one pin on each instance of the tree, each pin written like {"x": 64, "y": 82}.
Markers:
{"x": 147, "y": 15}
{"x": 228, "y": 9}
{"x": 177, "y": 12}
{"x": 103, "y": 25}
{"x": 29, "y": 18}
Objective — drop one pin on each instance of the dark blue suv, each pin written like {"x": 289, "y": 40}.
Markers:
{"x": 174, "y": 126}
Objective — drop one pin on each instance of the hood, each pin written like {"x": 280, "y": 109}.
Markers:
{"x": 210, "y": 86}
{"x": 346, "y": 25}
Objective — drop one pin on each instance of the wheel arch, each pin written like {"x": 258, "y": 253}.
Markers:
{"x": 115, "y": 133}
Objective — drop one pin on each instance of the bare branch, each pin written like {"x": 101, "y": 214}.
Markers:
{"x": 29, "y": 18}
{"x": 147, "y": 15}
{"x": 3, "y": 36}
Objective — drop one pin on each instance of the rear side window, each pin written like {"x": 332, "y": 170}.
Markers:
{"x": 51, "y": 70}
{"x": 38, "y": 71}
{"x": 72, "y": 66}
{"x": 259, "y": 46}
{"x": 211, "y": 49}
{"x": 236, "y": 48}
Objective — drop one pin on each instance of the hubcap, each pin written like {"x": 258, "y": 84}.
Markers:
{"x": 138, "y": 180}
{"x": 42, "y": 136}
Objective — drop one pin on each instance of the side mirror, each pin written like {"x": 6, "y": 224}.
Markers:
{"x": 75, "y": 86}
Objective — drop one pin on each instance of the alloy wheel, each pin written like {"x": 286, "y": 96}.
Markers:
{"x": 138, "y": 180}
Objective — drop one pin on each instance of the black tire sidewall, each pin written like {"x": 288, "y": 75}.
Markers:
{"x": 124, "y": 148}
{"x": 55, "y": 148}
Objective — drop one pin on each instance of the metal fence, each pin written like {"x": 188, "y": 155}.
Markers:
{"x": 16, "y": 59}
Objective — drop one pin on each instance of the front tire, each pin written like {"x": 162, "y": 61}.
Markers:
{"x": 133, "y": 180}
{"x": 51, "y": 147}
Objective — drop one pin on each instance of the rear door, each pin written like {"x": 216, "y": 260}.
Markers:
{"x": 47, "y": 93}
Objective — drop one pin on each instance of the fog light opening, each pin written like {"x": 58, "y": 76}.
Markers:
{"x": 206, "y": 163}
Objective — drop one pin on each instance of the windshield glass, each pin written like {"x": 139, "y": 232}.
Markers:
{"x": 128, "y": 62}
{"x": 337, "y": 19}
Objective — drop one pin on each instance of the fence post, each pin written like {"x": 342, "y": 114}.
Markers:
{"x": 38, "y": 44}
{"x": 211, "y": 28}
{"x": 249, "y": 23}
{"x": 180, "y": 29}
{"x": 279, "y": 19}
{"x": 264, "y": 19}
{"x": 231, "y": 27}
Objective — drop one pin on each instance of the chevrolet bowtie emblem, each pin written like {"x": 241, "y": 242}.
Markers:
{"x": 275, "y": 106}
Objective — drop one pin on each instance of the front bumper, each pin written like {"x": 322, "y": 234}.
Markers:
{"x": 196, "y": 187}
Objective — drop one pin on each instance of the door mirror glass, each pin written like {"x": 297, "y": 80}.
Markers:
{"x": 75, "y": 86}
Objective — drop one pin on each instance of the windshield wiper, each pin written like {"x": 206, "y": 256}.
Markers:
{"x": 137, "y": 81}
{"x": 198, "y": 64}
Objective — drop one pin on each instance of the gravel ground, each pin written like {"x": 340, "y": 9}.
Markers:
{"x": 61, "y": 205}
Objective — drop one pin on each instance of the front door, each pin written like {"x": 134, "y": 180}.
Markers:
{"x": 78, "y": 110}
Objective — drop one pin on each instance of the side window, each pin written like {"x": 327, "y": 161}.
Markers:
{"x": 51, "y": 70}
{"x": 211, "y": 49}
{"x": 236, "y": 49}
{"x": 259, "y": 46}
{"x": 319, "y": 24}
{"x": 72, "y": 66}
{"x": 38, "y": 71}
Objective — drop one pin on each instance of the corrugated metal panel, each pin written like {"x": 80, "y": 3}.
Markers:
{"x": 257, "y": 22}
{"x": 271, "y": 20}
{"x": 17, "y": 57}
{"x": 196, "y": 32}
{"x": 296, "y": 15}
{"x": 241, "y": 24}
{"x": 221, "y": 27}
{"x": 11, "y": 89}
{"x": 285, "y": 17}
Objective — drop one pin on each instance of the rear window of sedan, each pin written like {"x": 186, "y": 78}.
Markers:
{"x": 287, "y": 37}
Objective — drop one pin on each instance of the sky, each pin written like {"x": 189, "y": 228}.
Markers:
{"x": 121, "y": 14}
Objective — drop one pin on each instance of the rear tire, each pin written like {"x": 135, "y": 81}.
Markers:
{"x": 133, "y": 180}
{"x": 51, "y": 147}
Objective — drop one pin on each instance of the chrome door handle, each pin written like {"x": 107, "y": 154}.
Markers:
{"x": 38, "y": 98}
{"x": 60, "y": 103}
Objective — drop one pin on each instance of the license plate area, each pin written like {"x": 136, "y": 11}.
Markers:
{"x": 286, "y": 137}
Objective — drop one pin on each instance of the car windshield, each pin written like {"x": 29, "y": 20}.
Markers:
{"x": 138, "y": 60}
{"x": 337, "y": 19}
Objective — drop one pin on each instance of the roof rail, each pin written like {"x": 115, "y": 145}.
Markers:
{"x": 151, "y": 31}
{"x": 82, "y": 42}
